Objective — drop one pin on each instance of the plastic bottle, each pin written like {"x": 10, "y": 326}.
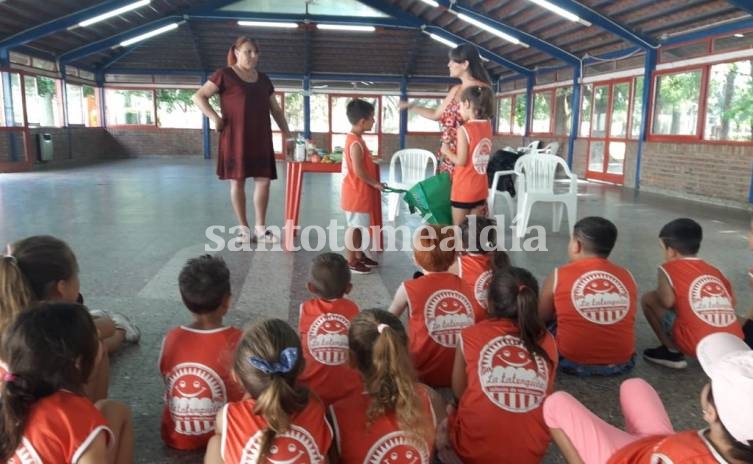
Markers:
{"x": 300, "y": 149}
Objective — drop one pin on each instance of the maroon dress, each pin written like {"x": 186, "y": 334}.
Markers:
{"x": 245, "y": 148}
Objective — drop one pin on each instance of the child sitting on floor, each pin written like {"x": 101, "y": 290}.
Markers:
{"x": 693, "y": 298}
{"x": 592, "y": 302}
{"x": 323, "y": 324}
{"x": 196, "y": 359}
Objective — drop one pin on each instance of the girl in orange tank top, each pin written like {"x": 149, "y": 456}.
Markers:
{"x": 474, "y": 147}
{"x": 280, "y": 420}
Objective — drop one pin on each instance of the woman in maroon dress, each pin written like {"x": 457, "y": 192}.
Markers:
{"x": 465, "y": 64}
{"x": 245, "y": 149}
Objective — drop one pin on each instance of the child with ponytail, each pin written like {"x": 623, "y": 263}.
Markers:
{"x": 504, "y": 369}
{"x": 480, "y": 255}
{"x": 394, "y": 418}
{"x": 50, "y": 351}
{"x": 279, "y": 421}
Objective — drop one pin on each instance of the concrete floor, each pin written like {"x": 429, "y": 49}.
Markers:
{"x": 133, "y": 223}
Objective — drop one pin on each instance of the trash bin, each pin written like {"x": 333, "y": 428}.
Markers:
{"x": 44, "y": 147}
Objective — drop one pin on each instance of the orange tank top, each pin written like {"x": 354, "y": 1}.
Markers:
{"x": 595, "y": 303}
{"x": 476, "y": 271}
{"x": 440, "y": 305}
{"x": 506, "y": 388}
{"x": 323, "y": 327}
{"x": 469, "y": 182}
{"x": 382, "y": 441}
{"x": 683, "y": 447}
{"x": 195, "y": 365}
{"x": 60, "y": 428}
{"x": 306, "y": 441}
{"x": 357, "y": 196}
{"x": 703, "y": 302}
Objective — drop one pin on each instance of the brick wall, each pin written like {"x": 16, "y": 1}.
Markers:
{"x": 178, "y": 142}
{"x": 75, "y": 144}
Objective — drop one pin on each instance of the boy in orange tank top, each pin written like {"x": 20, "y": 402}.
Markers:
{"x": 323, "y": 324}
{"x": 693, "y": 298}
{"x": 592, "y": 303}
{"x": 195, "y": 359}
{"x": 360, "y": 185}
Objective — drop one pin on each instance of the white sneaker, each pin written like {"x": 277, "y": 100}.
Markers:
{"x": 132, "y": 333}
{"x": 267, "y": 237}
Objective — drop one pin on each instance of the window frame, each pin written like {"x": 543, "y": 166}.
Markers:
{"x": 377, "y": 118}
{"x": 698, "y": 136}
{"x": 419, "y": 96}
{"x": 147, "y": 127}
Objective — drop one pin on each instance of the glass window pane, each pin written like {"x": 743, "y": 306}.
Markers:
{"x": 275, "y": 127}
{"x": 294, "y": 110}
{"x": 635, "y": 125}
{"x": 43, "y": 102}
{"x": 18, "y": 109}
{"x": 319, "y": 113}
{"x": 390, "y": 114}
{"x": 75, "y": 98}
{"x": 596, "y": 156}
{"x": 372, "y": 142}
{"x": 176, "y": 109}
{"x": 519, "y": 123}
{"x": 676, "y": 107}
{"x": 616, "y": 157}
{"x": 542, "y": 112}
{"x": 563, "y": 110}
{"x": 418, "y": 123}
{"x": 600, "y": 108}
{"x": 585, "y": 110}
{"x": 504, "y": 113}
{"x": 129, "y": 107}
{"x": 729, "y": 112}
{"x": 620, "y": 103}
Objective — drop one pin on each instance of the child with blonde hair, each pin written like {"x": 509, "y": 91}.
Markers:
{"x": 279, "y": 420}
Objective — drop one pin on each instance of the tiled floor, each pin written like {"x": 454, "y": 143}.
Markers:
{"x": 133, "y": 223}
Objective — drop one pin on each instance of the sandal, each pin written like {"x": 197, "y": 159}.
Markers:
{"x": 267, "y": 237}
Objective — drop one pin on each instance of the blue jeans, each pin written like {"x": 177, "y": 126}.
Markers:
{"x": 591, "y": 370}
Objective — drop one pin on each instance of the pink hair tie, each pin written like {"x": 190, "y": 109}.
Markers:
{"x": 8, "y": 377}
{"x": 381, "y": 327}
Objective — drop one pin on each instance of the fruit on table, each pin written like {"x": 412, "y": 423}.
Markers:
{"x": 315, "y": 158}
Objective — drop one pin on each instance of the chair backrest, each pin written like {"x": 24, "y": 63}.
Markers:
{"x": 552, "y": 148}
{"x": 413, "y": 164}
{"x": 539, "y": 172}
{"x": 533, "y": 145}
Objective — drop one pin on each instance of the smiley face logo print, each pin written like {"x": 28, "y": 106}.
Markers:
{"x": 711, "y": 302}
{"x": 295, "y": 446}
{"x": 195, "y": 393}
{"x": 600, "y": 297}
{"x": 446, "y": 313}
{"x": 398, "y": 448}
{"x": 481, "y": 288}
{"x": 510, "y": 377}
{"x": 481, "y": 155}
{"x": 328, "y": 339}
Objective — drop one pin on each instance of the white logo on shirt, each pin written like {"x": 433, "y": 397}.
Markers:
{"x": 398, "y": 448}
{"x": 600, "y": 297}
{"x": 446, "y": 313}
{"x": 710, "y": 301}
{"x": 481, "y": 155}
{"x": 481, "y": 288}
{"x": 25, "y": 454}
{"x": 510, "y": 377}
{"x": 295, "y": 446}
{"x": 328, "y": 339}
{"x": 194, "y": 394}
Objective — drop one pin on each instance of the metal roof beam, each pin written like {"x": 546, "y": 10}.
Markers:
{"x": 529, "y": 39}
{"x": 606, "y": 23}
{"x": 410, "y": 63}
{"x": 744, "y": 5}
{"x": 55, "y": 25}
{"x": 709, "y": 32}
{"x": 299, "y": 18}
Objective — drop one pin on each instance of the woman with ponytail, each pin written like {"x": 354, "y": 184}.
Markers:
{"x": 504, "y": 369}
{"x": 394, "y": 418}
{"x": 51, "y": 350}
{"x": 280, "y": 421}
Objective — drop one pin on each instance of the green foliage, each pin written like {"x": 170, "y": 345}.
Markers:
{"x": 45, "y": 86}
{"x": 173, "y": 99}
{"x": 520, "y": 110}
{"x": 88, "y": 91}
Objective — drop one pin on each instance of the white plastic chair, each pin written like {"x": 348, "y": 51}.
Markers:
{"x": 530, "y": 148}
{"x": 551, "y": 148}
{"x": 413, "y": 163}
{"x": 534, "y": 182}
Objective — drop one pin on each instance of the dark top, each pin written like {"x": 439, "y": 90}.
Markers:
{"x": 245, "y": 146}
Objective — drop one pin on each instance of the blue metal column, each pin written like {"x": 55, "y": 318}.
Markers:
{"x": 306, "y": 106}
{"x": 403, "y": 131}
{"x": 529, "y": 104}
{"x": 575, "y": 122}
{"x": 7, "y": 91}
{"x": 495, "y": 91}
{"x": 650, "y": 65}
{"x": 205, "y": 136}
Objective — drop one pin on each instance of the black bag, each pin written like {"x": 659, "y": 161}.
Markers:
{"x": 503, "y": 160}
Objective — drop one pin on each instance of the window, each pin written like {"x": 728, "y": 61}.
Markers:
{"x": 637, "y": 121}
{"x": 43, "y": 101}
{"x": 563, "y": 108}
{"x": 542, "y": 112}
{"x": 418, "y": 123}
{"x": 676, "y": 103}
{"x": 129, "y": 107}
{"x": 294, "y": 111}
{"x": 341, "y": 126}
{"x": 319, "y": 113}
{"x": 175, "y": 109}
{"x": 600, "y": 110}
{"x": 620, "y": 105}
{"x": 585, "y": 110}
{"x": 519, "y": 117}
{"x": 390, "y": 114}
{"x": 74, "y": 95}
{"x": 504, "y": 115}
{"x": 275, "y": 127}
{"x": 729, "y": 109}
